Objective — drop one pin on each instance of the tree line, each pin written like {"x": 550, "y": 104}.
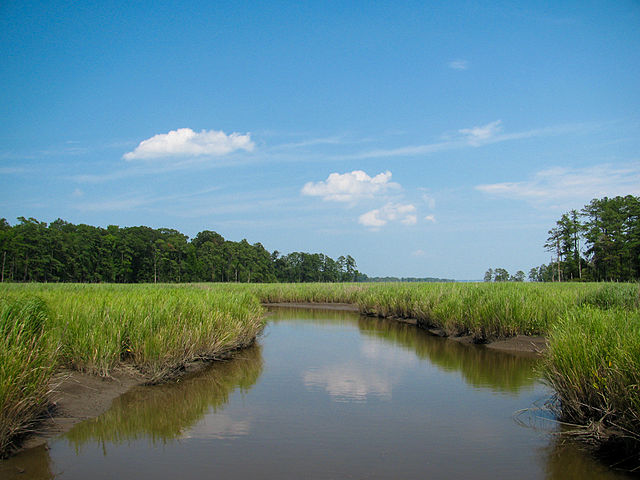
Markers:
{"x": 32, "y": 251}
{"x": 600, "y": 242}
{"x": 502, "y": 275}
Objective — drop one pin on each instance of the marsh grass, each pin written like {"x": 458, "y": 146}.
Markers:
{"x": 27, "y": 357}
{"x": 593, "y": 363}
{"x": 484, "y": 310}
{"x": 156, "y": 330}
{"x": 593, "y": 330}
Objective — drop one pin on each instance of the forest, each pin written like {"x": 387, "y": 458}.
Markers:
{"x": 32, "y": 251}
{"x": 601, "y": 242}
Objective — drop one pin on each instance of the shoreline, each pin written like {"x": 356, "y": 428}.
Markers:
{"x": 518, "y": 344}
{"x": 78, "y": 396}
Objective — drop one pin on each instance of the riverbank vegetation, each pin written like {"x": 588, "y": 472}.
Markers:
{"x": 593, "y": 331}
{"x": 156, "y": 330}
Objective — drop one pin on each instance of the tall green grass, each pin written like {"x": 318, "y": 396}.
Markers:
{"x": 27, "y": 361}
{"x": 593, "y": 363}
{"x": 156, "y": 330}
{"x": 485, "y": 311}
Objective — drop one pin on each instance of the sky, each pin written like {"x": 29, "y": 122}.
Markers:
{"x": 425, "y": 139}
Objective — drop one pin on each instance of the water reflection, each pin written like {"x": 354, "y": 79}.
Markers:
{"x": 165, "y": 412}
{"x": 567, "y": 459}
{"x": 346, "y": 383}
{"x": 479, "y": 366}
{"x": 353, "y": 397}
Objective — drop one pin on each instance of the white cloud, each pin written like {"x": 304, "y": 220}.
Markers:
{"x": 350, "y": 187}
{"x": 185, "y": 142}
{"x": 390, "y": 212}
{"x": 474, "y": 137}
{"x": 430, "y": 218}
{"x": 571, "y": 186}
{"x": 479, "y": 135}
{"x": 459, "y": 64}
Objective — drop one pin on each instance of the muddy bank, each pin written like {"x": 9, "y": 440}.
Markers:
{"x": 76, "y": 397}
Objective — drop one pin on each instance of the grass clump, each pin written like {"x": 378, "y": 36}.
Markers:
{"x": 156, "y": 330}
{"x": 26, "y": 365}
{"x": 593, "y": 363}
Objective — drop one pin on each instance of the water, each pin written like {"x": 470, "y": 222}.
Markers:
{"x": 327, "y": 395}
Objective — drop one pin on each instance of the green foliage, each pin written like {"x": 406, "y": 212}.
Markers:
{"x": 26, "y": 364}
{"x": 609, "y": 229}
{"x": 593, "y": 363}
{"x": 31, "y": 251}
{"x": 97, "y": 328}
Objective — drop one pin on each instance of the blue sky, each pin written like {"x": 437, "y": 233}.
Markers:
{"x": 422, "y": 138}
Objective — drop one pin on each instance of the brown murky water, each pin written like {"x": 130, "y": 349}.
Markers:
{"x": 327, "y": 394}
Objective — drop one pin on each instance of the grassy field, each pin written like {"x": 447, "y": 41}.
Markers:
{"x": 593, "y": 361}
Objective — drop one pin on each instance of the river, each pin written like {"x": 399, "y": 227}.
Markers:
{"x": 328, "y": 394}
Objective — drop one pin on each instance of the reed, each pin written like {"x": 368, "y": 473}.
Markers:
{"x": 156, "y": 330}
{"x": 593, "y": 363}
{"x": 27, "y": 361}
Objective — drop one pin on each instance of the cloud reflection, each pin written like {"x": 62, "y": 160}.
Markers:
{"x": 347, "y": 383}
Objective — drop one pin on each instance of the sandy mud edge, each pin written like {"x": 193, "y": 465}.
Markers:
{"x": 76, "y": 397}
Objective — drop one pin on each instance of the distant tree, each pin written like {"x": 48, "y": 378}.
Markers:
{"x": 488, "y": 275}
{"x": 63, "y": 252}
{"x": 500, "y": 275}
{"x": 518, "y": 277}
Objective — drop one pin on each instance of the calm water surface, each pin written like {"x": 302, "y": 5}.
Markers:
{"x": 327, "y": 394}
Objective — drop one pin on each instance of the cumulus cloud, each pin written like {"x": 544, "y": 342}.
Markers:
{"x": 478, "y": 135}
{"x": 459, "y": 64}
{"x": 391, "y": 212}
{"x": 430, "y": 218}
{"x": 350, "y": 187}
{"x": 185, "y": 142}
{"x": 571, "y": 186}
